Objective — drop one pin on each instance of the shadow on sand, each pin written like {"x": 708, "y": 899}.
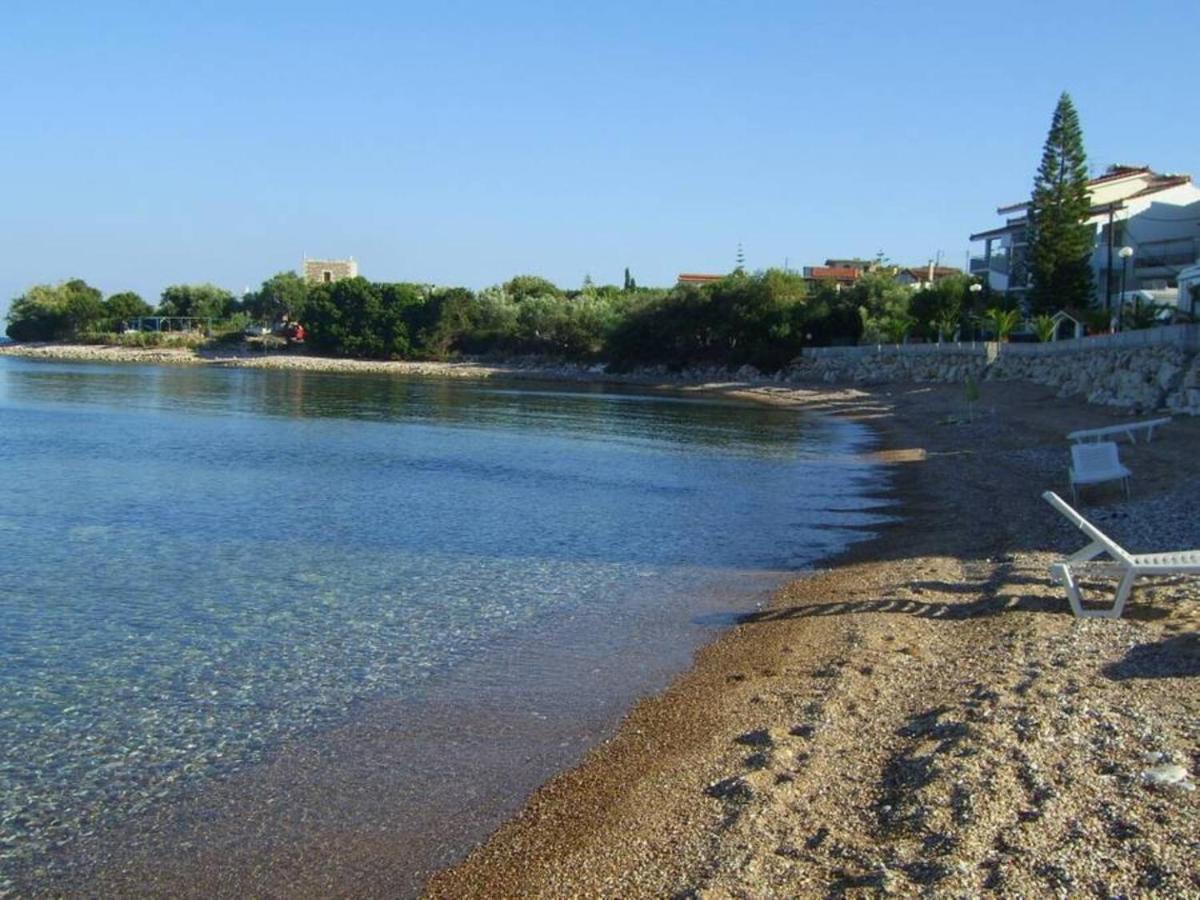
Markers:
{"x": 1174, "y": 657}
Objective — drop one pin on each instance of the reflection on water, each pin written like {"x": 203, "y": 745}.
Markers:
{"x": 201, "y": 563}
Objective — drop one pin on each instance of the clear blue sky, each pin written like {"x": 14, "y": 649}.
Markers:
{"x": 144, "y": 144}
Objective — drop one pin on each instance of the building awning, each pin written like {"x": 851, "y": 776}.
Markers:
{"x": 997, "y": 232}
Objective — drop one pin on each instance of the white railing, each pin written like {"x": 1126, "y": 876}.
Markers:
{"x": 1185, "y": 337}
{"x": 864, "y": 350}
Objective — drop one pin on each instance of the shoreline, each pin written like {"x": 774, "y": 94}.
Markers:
{"x": 245, "y": 359}
{"x": 532, "y": 369}
{"x": 921, "y": 713}
{"x": 215, "y": 851}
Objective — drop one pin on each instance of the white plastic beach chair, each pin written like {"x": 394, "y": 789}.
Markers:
{"x": 1129, "y": 429}
{"x": 1094, "y": 464}
{"x": 1125, "y": 566}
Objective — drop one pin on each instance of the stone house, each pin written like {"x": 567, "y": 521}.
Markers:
{"x": 327, "y": 271}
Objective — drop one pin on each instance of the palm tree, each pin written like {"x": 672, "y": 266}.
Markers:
{"x": 1044, "y": 327}
{"x": 1003, "y": 321}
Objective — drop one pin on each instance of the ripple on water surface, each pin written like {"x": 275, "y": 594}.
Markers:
{"x": 203, "y": 564}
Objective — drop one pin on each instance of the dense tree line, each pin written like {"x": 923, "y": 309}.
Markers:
{"x": 58, "y": 312}
{"x": 764, "y": 319}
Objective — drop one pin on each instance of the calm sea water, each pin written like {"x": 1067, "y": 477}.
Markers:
{"x": 199, "y": 566}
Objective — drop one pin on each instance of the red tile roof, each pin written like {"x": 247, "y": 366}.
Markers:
{"x": 1161, "y": 184}
{"x": 921, "y": 273}
{"x": 832, "y": 273}
{"x": 693, "y": 278}
{"x": 1118, "y": 172}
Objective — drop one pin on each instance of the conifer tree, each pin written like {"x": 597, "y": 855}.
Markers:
{"x": 1060, "y": 244}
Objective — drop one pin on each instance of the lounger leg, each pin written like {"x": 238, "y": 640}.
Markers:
{"x": 1123, "y": 591}
{"x": 1073, "y": 597}
{"x": 1064, "y": 574}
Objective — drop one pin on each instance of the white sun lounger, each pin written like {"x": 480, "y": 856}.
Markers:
{"x": 1125, "y": 566}
{"x": 1095, "y": 464}
{"x": 1129, "y": 429}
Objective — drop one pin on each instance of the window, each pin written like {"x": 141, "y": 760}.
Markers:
{"x": 327, "y": 276}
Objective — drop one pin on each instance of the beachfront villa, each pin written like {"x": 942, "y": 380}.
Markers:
{"x": 922, "y": 277}
{"x": 327, "y": 271}
{"x": 839, "y": 276}
{"x": 1156, "y": 216}
{"x": 845, "y": 272}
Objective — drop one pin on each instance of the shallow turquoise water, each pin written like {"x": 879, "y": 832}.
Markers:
{"x": 200, "y": 564}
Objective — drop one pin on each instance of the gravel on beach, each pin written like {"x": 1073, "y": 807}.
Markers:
{"x": 921, "y": 716}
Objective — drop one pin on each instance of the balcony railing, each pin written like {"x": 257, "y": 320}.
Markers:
{"x": 978, "y": 264}
{"x": 1177, "y": 259}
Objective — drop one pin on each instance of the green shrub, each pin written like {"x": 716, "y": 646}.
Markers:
{"x": 1044, "y": 327}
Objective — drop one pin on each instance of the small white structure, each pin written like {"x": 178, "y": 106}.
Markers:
{"x": 1189, "y": 290}
{"x": 1063, "y": 316}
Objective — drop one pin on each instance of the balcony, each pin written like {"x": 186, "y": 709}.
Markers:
{"x": 998, "y": 264}
{"x": 1177, "y": 259}
{"x": 1177, "y": 253}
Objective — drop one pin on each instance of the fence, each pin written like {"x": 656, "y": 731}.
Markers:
{"x": 865, "y": 350}
{"x": 1184, "y": 337}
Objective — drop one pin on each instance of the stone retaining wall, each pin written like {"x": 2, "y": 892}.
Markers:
{"x": 1141, "y": 381}
{"x": 886, "y": 366}
{"x": 1143, "y": 378}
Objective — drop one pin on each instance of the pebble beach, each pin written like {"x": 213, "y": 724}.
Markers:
{"x": 922, "y": 715}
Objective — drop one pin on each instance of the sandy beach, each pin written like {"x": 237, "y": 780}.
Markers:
{"x": 922, "y": 715}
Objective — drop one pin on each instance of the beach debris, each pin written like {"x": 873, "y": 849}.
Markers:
{"x": 759, "y": 760}
{"x": 1168, "y": 775}
{"x": 759, "y": 737}
{"x": 733, "y": 789}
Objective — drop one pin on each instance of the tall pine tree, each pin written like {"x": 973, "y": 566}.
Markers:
{"x": 1060, "y": 244}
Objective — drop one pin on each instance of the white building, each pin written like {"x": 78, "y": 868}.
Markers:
{"x": 921, "y": 277}
{"x": 1189, "y": 290}
{"x": 1157, "y": 215}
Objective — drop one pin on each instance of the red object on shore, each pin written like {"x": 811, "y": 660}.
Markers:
{"x": 298, "y": 334}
